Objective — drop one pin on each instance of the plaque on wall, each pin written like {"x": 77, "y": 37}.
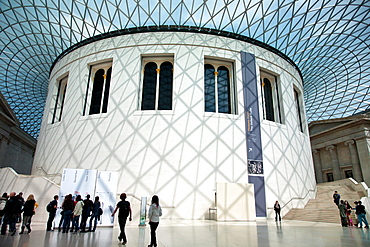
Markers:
{"x": 255, "y": 167}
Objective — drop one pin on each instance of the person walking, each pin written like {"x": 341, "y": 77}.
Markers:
{"x": 361, "y": 214}
{"x": 124, "y": 211}
{"x": 336, "y": 198}
{"x": 53, "y": 210}
{"x": 155, "y": 211}
{"x": 86, "y": 210}
{"x": 28, "y": 211}
{"x": 12, "y": 209}
{"x": 77, "y": 212}
{"x": 277, "y": 210}
{"x": 95, "y": 214}
{"x": 67, "y": 206}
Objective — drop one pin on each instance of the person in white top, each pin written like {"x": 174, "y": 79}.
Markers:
{"x": 155, "y": 211}
{"x": 77, "y": 212}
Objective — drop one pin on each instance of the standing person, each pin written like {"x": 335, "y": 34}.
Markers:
{"x": 3, "y": 200}
{"x": 53, "y": 210}
{"x": 21, "y": 199}
{"x": 155, "y": 211}
{"x": 348, "y": 213}
{"x": 77, "y": 212}
{"x": 12, "y": 209}
{"x": 336, "y": 198}
{"x": 343, "y": 213}
{"x": 361, "y": 214}
{"x": 277, "y": 209}
{"x": 28, "y": 212}
{"x": 355, "y": 220}
{"x": 95, "y": 214}
{"x": 124, "y": 211}
{"x": 86, "y": 209}
{"x": 67, "y": 206}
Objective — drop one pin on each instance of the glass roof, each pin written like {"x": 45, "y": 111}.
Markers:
{"x": 328, "y": 41}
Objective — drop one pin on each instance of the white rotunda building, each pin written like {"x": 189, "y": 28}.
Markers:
{"x": 178, "y": 113}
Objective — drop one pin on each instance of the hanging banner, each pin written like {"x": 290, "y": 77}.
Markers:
{"x": 253, "y": 131}
{"x": 106, "y": 189}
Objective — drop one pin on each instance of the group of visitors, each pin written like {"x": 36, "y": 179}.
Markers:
{"x": 11, "y": 209}
{"x": 76, "y": 212}
{"x": 345, "y": 210}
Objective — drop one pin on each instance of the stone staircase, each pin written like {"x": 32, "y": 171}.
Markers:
{"x": 323, "y": 208}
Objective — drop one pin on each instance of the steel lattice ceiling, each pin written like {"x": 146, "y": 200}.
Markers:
{"x": 328, "y": 40}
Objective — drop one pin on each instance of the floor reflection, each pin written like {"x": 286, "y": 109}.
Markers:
{"x": 203, "y": 233}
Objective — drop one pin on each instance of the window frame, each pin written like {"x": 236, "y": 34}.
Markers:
{"x": 61, "y": 90}
{"x": 299, "y": 109}
{"x": 217, "y": 63}
{"x": 93, "y": 68}
{"x": 158, "y": 60}
{"x": 276, "y": 102}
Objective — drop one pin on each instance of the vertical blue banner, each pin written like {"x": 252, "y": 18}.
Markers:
{"x": 253, "y": 131}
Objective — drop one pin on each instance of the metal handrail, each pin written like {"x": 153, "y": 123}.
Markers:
{"x": 296, "y": 198}
{"x": 47, "y": 174}
{"x": 148, "y": 204}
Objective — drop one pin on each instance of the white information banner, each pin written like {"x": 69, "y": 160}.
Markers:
{"x": 93, "y": 182}
{"x": 78, "y": 182}
{"x": 106, "y": 189}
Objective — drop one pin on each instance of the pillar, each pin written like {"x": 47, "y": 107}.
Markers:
{"x": 363, "y": 147}
{"x": 334, "y": 162}
{"x": 3, "y": 147}
{"x": 318, "y": 166}
{"x": 356, "y": 169}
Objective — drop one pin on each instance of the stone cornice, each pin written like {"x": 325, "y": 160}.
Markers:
{"x": 342, "y": 126}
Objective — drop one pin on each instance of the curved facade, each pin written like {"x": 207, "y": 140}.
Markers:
{"x": 167, "y": 111}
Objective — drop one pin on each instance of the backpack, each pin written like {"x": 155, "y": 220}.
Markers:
{"x": 2, "y": 204}
{"x": 49, "y": 207}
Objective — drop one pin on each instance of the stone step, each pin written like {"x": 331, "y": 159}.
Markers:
{"x": 323, "y": 209}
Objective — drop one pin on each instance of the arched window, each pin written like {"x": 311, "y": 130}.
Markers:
{"x": 98, "y": 96}
{"x": 269, "y": 103}
{"x": 209, "y": 88}
{"x": 298, "y": 108}
{"x": 106, "y": 91}
{"x": 219, "y": 94}
{"x": 157, "y": 86}
{"x": 165, "y": 86}
{"x": 271, "y": 98}
{"x": 223, "y": 90}
{"x": 59, "y": 100}
{"x": 97, "y": 92}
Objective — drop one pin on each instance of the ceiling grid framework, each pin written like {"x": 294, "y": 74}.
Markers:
{"x": 328, "y": 40}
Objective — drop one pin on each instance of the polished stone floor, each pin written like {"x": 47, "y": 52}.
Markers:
{"x": 181, "y": 233}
